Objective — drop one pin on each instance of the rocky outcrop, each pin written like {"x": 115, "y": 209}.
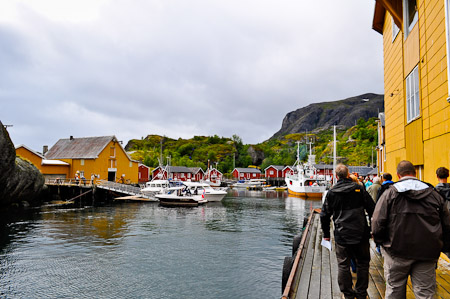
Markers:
{"x": 256, "y": 155}
{"x": 20, "y": 180}
{"x": 343, "y": 113}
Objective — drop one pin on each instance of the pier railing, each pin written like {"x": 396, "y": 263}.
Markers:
{"x": 69, "y": 182}
{"x": 122, "y": 188}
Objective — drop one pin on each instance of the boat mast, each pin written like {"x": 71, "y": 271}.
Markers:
{"x": 334, "y": 154}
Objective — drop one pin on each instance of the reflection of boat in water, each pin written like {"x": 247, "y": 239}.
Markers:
{"x": 183, "y": 196}
{"x": 305, "y": 181}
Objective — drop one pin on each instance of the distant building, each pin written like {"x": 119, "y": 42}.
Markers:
{"x": 274, "y": 171}
{"x": 176, "y": 173}
{"x": 144, "y": 173}
{"x": 51, "y": 169}
{"x": 288, "y": 169}
{"x": 103, "y": 156}
{"x": 246, "y": 173}
{"x": 214, "y": 175}
{"x": 197, "y": 174}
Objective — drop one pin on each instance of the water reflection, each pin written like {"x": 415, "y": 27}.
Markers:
{"x": 229, "y": 249}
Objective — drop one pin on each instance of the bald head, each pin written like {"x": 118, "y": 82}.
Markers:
{"x": 405, "y": 168}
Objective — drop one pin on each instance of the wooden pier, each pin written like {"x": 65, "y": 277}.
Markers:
{"x": 314, "y": 270}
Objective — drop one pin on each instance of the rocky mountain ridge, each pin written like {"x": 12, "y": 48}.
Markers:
{"x": 321, "y": 116}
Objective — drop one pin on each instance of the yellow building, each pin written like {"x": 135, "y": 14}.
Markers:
{"x": 51, "y": 169}
{"x": 102, "y": 156}
{"x": 416, "y": 65}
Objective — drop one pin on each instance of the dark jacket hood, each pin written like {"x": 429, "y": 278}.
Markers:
{"x": 344, "y": 185}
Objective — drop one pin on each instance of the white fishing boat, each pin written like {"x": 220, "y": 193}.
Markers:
{"x": 305, "y": 181}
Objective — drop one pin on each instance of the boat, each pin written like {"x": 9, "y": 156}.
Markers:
{"x": 211, "y": 178}
{"x": 250, "y": 184}
{"x": 155, "y": 187}
{"x": 214, "y": 194}
{"x": 305, "y": 181}
{"x": 187, "y": 195}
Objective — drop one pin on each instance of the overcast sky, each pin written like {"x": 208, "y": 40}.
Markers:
{"x": 178, "y": 68}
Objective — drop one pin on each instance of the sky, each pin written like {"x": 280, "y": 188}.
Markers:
{"x": 178, "y": 68}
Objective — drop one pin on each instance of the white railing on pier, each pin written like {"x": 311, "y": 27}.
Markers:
{"x": 102, "y": 184}
{"x": 122, "y": 188}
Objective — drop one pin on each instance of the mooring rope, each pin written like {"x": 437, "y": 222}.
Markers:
{"x": 79, "y": 195}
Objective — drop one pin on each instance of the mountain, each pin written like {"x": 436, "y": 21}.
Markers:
{"x": 320, "y": 116}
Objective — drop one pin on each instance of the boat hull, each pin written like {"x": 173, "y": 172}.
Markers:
{"x": 317, "y": 195}
{"x": 179, "y": 201}
{"x": 214, "y": 197}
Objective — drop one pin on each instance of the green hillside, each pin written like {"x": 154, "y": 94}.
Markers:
{"x": 354, "y": 147}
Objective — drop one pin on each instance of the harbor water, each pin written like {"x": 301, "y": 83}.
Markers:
{"x": 230, "y": 249}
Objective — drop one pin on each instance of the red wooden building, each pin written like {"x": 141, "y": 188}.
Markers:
{"x": 287, "y": 169}
{"x": 176, "y": 173}
{"x": 144, "y": 173}
{"x": 214, "y": 175}
{"x": 274, "y": 171}
{"x": 197, "y": 174}
{"x": 246, "y": 173}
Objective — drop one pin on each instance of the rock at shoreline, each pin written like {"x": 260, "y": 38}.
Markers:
{"x": 20, "y": 180}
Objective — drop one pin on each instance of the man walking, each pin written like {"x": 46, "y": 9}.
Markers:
{"x": 347, "y": 202}
{"x": 413, "y": 226}
{"x": 386, "y": 180}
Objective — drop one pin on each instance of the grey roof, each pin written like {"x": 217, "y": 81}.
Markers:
{"x": 248, "y": 170}
{"x": 79, "y": 148}
{"x": 374, "y": 171}
{"x": 178, "y": 169}
{"x": 323, "y": 166}
{"x": 195, "y": 170}
{"x": 361, "y": 170}
{"x": 277, "y": 167}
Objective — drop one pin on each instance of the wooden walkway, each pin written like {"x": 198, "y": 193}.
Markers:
{"x": 314, "y": 273}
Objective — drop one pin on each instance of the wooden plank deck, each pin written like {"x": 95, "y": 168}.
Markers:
{"x": 316, "y": 274}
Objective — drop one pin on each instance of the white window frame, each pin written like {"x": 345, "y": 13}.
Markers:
{"x": 447, "y": 36}
{"x": 412, "y": 95}
{"x": 395, "y": 29}
{"x": 409, "y": 27}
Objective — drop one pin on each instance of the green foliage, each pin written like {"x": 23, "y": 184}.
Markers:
{"x": 354, "y": 147}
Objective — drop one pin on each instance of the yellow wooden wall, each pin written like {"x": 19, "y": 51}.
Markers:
{"x": 30, "y": 156}
{"x": 426, "y": 141}
{"x": 62, "y": 170}
{"x": 101, "y": 165}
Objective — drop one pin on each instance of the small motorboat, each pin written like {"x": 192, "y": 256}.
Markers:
{"x": 183, "y": 196}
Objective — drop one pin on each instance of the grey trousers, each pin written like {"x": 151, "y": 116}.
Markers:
{"x": 397, "y": 270}
{"x": 361, "y": 254}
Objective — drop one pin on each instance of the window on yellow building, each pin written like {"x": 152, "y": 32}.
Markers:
{"x": 395, "y": 30}
{"x": 82, "y": 162}
{"x": 112, "y": 152}
{"x": 412, "y": 95}
{"x": 409, "y": 15}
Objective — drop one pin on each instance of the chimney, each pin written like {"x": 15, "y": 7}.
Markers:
{"x": 44, "y": 149}
{"x": 71, "y": 137}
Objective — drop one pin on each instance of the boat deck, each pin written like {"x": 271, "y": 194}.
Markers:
{"x": 314, "y": 273}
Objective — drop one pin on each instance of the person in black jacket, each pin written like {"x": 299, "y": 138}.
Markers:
{"x": 443, "y": 187}
{"x": 347, "y": 203}
{"x": 386, "y": 181}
